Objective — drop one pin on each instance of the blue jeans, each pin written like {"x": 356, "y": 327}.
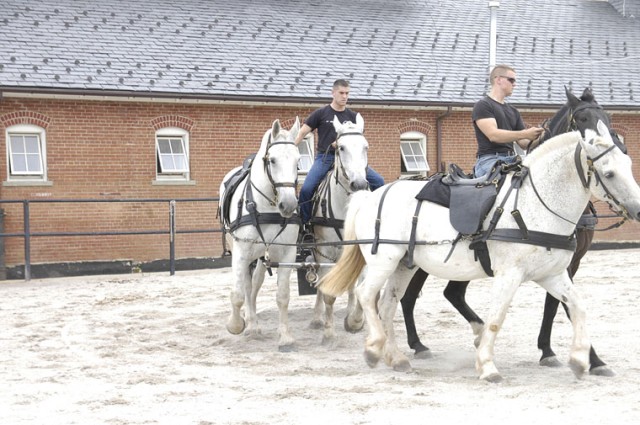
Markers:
{"x": 485, "y": 163}
{"x": 320, "y": 168}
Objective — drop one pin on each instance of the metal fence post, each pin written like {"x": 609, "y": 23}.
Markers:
{"x": 172, "y": 235}
{"x": 27, "y": 241}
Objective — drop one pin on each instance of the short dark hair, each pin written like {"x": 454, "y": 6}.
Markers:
{"x": 340, "y": 83}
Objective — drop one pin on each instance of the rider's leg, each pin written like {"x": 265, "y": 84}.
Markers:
{"x": 375, "y": 180}
{"x": 319, "y": 169}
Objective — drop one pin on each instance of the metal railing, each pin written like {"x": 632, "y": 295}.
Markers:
{"x": 27, "y": 234}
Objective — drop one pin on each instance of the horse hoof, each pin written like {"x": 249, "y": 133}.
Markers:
{"x": 316, "y": 324}
{"x": 550, "y": 362}
{"x": 494, "y": 378}
{"x": 287, "y": 348}
{"x": 352, "y": 329}
{"x": 577, "y": 369}
{"x": 402, "y": 366}
{"x": 422, "y": 352}
{"x": 371, "y": 359}
{"x": 602, "y": 371}
{"x": 235, "y": 328}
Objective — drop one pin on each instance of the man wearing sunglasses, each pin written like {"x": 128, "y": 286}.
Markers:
{"x": 498, "y": 124}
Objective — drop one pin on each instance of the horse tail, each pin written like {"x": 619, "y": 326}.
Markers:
{"x": 346, "y": 271}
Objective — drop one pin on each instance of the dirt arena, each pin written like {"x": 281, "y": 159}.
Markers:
{"x": 153, "y": 349}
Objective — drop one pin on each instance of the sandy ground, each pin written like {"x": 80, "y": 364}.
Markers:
{"x": 153, "y": 349}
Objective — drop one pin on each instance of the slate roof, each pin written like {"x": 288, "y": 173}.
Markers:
{"x": 421, "y": 52}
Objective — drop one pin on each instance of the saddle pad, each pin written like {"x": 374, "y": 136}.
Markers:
{"x": 435, "y": 191}
{"x": 231, "y": 184}
{"x": 469, "y": 206}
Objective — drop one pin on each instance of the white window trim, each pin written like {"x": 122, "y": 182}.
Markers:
{"x": 309, "y": 142}
{"x": 412, "y": 136}
{"x": 19, "y": 129}
{"x": 178, "y": 177}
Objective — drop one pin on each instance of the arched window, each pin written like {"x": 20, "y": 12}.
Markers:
{"x": 172, "y": 154}
{"x": 413, "y": 151}
{"x": 26, "y": 153}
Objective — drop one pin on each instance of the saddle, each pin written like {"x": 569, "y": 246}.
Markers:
{"x": 231, "y": 184}
{"x": 468, "y": 199}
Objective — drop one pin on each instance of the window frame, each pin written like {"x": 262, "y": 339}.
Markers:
{"x": 26, "y": 130}
{"x": 175, "y": 175}
{"x": 309, "y": 143}
{"x": 408, "y": 138}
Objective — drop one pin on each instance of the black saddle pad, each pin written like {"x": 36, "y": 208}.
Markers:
{"x": 435, "y": 191}
{"x": 232, "y": 183}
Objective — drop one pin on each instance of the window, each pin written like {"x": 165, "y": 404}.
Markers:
{"x": 306, "y": 154}
{"x": 26, "y": 153}
{"x": 413, "y": 147}
{"x": 172, "y": 154}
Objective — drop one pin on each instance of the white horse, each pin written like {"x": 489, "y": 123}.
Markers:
{"x": 557, "y": 181}
{"x": 259, "y": 221}
{"x": 349, "y": 175}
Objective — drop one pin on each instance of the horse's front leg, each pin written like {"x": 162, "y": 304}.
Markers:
{"x": 318, "y": 311}
{"x": 387, "y": 306}
{"x": 354, "y": 320}
{"x": 242, "y": 272}
{"x": 562, "y": 288}
{"x": 251, "y": 316}
{"x": 503, "y": 290}
{"x": 329, "y": 335}
{"x": 286, "y": 341}
{"x": 367, "y": 294}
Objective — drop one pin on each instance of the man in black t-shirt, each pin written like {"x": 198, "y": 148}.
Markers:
{"x": 498, "y": 124}
{"x": 322, "y": 120}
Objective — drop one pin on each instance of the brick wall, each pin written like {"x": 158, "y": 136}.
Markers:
{"x": 105, "y": 150}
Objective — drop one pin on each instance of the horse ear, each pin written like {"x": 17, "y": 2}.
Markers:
{"x": 573, "y": 101}
{"x": 587, "y": 95}
{"x": 603, "y": 130}
{"x": 275, "y": 129}
{"x": 336, "y": 124}
{"x": 360, "y": 122}
{"x": 296, "y": 128}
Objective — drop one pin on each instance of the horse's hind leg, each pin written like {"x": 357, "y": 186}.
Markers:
{"x": 354, "y": 320}
{"x": 455, "y": 293}
{"x": 408, "y": 303}
{"x": 544, "y": 337}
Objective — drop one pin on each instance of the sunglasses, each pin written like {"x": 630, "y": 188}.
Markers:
{"x": 509, "y": 79}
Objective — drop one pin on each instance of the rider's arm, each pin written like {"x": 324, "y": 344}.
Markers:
{"x": 304, "y": 130}
{"x": 489, "y": 127}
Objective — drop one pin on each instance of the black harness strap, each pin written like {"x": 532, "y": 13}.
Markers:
{"x": 376, "y": 236}
{"x": 547, "y": 240}
{"x": 412, "y": 238}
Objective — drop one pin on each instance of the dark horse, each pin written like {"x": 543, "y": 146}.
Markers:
{"x": 577, "y": 114}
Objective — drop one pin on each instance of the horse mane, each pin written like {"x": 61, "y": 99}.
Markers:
{"x": 550, "y": 145}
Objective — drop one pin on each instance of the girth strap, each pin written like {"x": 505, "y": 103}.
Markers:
{"x": 376, "y": 236}
{"x": 546, "y": 240}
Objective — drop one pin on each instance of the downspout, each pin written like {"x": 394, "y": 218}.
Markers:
{"x": 439, "y": 120}
{"x": 493, "y": 38}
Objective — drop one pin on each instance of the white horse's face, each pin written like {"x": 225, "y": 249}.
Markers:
{"x": 352, "y": 152}
{"x": 613, "y": 180}
{"x": 281, "y": 166}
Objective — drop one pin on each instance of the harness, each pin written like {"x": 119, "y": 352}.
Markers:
{"x": 255, "y": 217}
{"x": 518, "y": 235}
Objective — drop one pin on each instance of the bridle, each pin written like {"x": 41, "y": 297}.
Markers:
{"x": 338, "y": 161}
{"x": 266, "y": 159}
{"x": 586, "y": 181}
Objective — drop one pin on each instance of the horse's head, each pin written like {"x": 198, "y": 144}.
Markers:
{"x": 609, "y": 175}
{"x": 584, "y": 113}
{"x": 280, "y": 157}
{"x": 351, "y": 154}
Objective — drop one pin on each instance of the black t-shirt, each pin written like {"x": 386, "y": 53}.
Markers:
{"x": 507, "y": 117}
{"x": 322, "y": 119}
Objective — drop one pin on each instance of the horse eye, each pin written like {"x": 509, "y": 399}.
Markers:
{"x": 341, "y": 148}
{"x": 609, "y": 174}
{"x": 272, "y": 161}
